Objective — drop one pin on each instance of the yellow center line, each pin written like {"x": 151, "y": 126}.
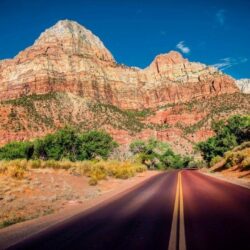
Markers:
{"x": 178, "y": 210}
{"x": 182, "y": 238}
{"x": 173, "y": 235}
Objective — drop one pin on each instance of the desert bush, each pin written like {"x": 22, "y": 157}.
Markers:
{"x": 215, "y": 160}
{"x": 240, "y": 158}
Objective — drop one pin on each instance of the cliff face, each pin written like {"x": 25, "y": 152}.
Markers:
{"x": 244, "y": 85}
{"x": 68, "y": 77}
{"x": 69, "y": 58}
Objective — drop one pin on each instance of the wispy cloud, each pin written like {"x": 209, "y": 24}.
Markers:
{"x": 183, "y": 48}
{"x": 220, "y": 17}
{"x": 228, "y": 62}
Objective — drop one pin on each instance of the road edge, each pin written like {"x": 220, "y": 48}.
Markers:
{"x": 222, "y": 178}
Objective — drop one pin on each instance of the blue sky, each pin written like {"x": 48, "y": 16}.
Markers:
{"x": 215, "y": 32}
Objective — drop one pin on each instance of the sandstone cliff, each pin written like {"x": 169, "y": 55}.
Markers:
{"x": 69, "y": 58}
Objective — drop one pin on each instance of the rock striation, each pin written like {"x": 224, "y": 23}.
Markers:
{"x": 244, "y": 85}
{"x": 69, "y": 58}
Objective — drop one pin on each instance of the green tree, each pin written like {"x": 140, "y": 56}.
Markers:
{"x": 156, "y": 154}
{"x": 62, "y": 144}
{"x": 96, "y": 143}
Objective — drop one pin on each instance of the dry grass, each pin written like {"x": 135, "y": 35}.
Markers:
{"x": 30, "y": 189}
{"x": 100, "y": 170}
{"x": 240, "y": 158}
{"x": 13, "y": 218}
{"x": 95, "y": 170}
{"x": 16, "y": 168}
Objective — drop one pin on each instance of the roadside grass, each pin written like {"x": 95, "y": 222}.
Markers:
{"x": 95, "y": 170}
{"x": 13, "y": 218}
{"x": 240, "y": 158}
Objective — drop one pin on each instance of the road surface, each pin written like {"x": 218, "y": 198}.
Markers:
{"x": 173, "y": 210}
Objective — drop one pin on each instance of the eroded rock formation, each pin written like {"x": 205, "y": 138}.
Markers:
{"x": 69, "y": 58}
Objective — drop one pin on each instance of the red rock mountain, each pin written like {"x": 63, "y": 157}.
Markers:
{"x": 68, "y": 63}
{"x": 69, "y": 58}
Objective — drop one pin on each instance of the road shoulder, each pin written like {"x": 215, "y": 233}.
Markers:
{"x": 240, "y": 182}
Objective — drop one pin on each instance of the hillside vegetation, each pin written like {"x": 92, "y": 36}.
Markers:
{"x": 230, "y": 147}
{"x": 37, "y": 115}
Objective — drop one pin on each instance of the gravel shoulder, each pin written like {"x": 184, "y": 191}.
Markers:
{"x": 244, "y": 182}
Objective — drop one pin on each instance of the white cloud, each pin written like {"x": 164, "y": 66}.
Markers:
{"x": 228, "y": 62}
{"x": 220, "y": 17}
{"x": 182, "y": 47}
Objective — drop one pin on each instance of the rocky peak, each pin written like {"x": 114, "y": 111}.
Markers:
{"x": 177, "y": 68}
{"x": 73, "y": 38}
{"x": 172, "y": 57}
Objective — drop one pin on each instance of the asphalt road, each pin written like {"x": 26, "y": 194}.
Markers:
{"x": 173, "y": 210}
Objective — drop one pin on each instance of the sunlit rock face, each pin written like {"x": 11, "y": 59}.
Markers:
{"x": 69, "y": 58}
{"x": 244, "y": 85}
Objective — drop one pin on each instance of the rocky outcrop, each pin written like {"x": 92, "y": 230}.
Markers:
{"x": 244, "y": 85}
{"x": 69, "y": 58}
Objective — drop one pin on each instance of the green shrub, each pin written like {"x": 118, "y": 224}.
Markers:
{"x": 16, "y": 150}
